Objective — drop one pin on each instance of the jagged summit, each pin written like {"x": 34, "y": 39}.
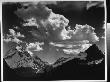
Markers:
{"x": 94, "y": 53}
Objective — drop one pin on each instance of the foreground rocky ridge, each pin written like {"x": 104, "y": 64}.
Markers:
{"x": 18, "y": 60}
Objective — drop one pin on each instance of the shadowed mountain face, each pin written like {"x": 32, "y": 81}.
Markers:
{"x": 94, "y": 53}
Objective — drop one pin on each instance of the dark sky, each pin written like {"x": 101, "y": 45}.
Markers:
{"x": 9, "y": 18}
{"x": 77, "y": 13}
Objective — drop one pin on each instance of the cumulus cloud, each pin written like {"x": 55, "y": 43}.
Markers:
{"x": 55, "y": 24}
{"x": 14, "y": 39}
{"x": 35, "y": 46}
{"x": 12, "y": 32}
{"x": 31, "y": 22}
{"x": 38, "y": 11}
{"x": 57, "y": 20}
{"x": 13, "y": 36}
{"x": 85, "y": 32}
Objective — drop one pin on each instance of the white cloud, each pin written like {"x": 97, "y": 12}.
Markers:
{"x": 75, "y": 50}
{"x": 31, "y": 22}
{"x": 35, "y": 46}
{"x": 93, "y": 37}
{"x": 71, "y": 51}
{"x": 82, "y": 34}
{"x": 19, "y": 35}
{"x": 12, "y": 32}
{"x": 64, "y": 34}
{"x": 13, "y": 36}
{"x": 56, "y": 44}
{"x": 72, "y": 47}
{"x": 16, "y": 40}
{"x": 7, "y": 39}
{"x": 57, "y": 21}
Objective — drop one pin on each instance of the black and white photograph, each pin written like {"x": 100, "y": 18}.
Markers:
{"x": 54, "y": 40}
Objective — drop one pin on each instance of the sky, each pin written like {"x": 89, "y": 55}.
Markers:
{"x": 70, "y": 10}
{"x": 75, "y": 14}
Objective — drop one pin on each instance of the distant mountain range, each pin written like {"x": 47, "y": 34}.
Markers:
{"x": 74, "y": 69}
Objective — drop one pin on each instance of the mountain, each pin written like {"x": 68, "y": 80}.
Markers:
{"x": 76, "y": 69}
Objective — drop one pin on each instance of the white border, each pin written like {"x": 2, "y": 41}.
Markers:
{"x": 1, "y": 42}
{"x": 105, "y": 40}
{"x": 45, "y": 0}
{"x": 54, "y": 0}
